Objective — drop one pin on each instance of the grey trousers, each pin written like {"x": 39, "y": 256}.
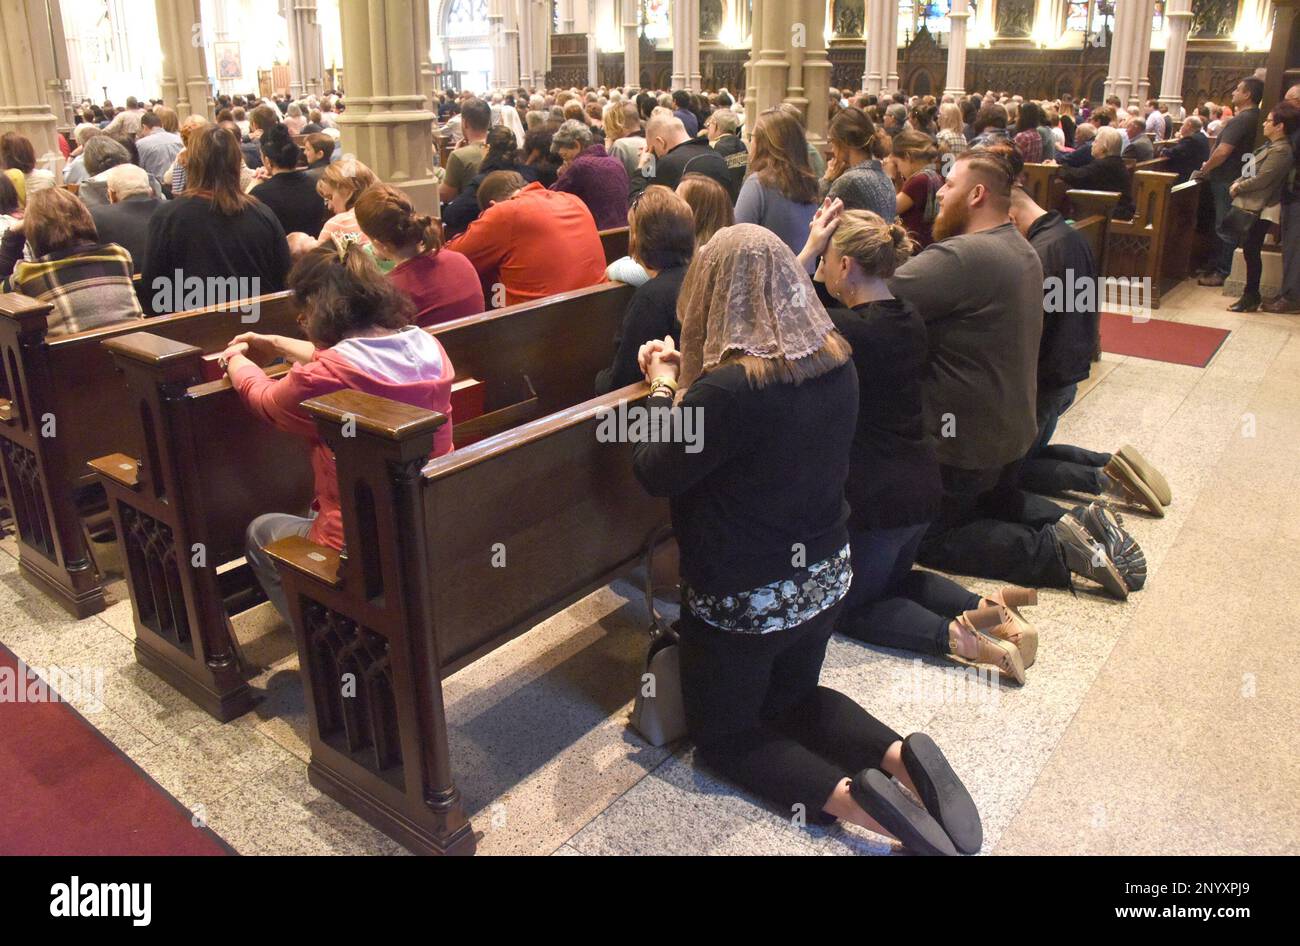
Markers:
{"x": 262, "y": 531}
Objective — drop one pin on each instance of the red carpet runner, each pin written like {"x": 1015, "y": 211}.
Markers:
{"x": 65, "y": 789}
{"x": 1159, "y": 340}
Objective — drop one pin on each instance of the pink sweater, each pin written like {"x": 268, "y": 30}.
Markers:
{"x": 408, "y": 366}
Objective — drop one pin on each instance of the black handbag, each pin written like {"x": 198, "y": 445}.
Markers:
{"x": 658, "y": 713}
{"x": 1237, "y": 224}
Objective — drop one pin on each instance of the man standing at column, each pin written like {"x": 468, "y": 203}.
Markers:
{"x": 1236, "y": 141}
{"x": 1287, "y": 300}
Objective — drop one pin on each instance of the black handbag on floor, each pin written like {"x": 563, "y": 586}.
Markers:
{"x": 658, "y": 713}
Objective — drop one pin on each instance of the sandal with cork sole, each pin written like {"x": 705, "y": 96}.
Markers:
{"x": 993, "y": 651}
{"x": 1017, "y": 630}
{"x": 1150, "y": 475}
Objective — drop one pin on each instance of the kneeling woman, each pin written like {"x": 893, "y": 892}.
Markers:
{"x": 359, "y": 338}
{"x": 758, "y": 507}
{"x": 894, "y": 486}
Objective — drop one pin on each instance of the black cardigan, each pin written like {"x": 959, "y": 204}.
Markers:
{"x": 1104, "y": 174}
{"x": 894, "y": 470}
{"x": 652, "y": 313}
{"x": 188, "y": 235}
{"x": 768, "y": 479}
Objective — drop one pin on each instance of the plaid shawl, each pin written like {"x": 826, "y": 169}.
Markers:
{"x": 89, "y": 287}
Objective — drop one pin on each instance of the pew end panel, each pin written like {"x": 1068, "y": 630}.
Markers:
{"x": 208, "y": 468}
{"x": 37, "y": 448}
{"x": 1148, "y": 246}
{"x": 68, "y": 385}
{"x": 445, "y": 562}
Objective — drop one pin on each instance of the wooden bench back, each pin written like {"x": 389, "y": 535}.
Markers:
{"x": 73, "y": 379}
{"x": 615, "y": 243}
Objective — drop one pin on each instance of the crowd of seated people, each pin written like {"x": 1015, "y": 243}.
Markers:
{"x": 864, "y": 325}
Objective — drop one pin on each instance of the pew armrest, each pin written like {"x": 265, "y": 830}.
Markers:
{"x": 119, "y": 468}
{"x": 319, "y": 562}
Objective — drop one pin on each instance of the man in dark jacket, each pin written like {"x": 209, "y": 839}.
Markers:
{"x": 1190, "y": 150}
{"x": 124, "y": 220}
{"x": 670, "y": 152}
{"x": 721, "y": 126}
{"x": 1071, "y": 319}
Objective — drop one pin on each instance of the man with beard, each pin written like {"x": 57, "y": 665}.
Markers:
{"x": 979, "y": 289}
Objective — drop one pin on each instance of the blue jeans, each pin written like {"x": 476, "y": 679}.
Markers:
{"x": 1052, "y": 469}
{"x": 894, "y": 605}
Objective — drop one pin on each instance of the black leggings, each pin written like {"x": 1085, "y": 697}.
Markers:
{"x": 759, "y": 718}
{"x": 1250, "y": 249}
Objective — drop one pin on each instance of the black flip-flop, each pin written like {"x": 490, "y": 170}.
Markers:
{"x": 899, "y": 815}
{"x": 944, "y": 795}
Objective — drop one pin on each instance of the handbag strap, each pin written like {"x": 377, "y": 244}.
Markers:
{"x": 658, "y": 626}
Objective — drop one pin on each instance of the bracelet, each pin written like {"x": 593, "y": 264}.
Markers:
{"x": 664, "y": 380}
{"x": 657, "y": 390}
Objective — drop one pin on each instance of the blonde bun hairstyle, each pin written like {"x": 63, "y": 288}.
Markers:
{"x": 877, "y": 246}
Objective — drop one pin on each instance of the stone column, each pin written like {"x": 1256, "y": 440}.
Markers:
{"x": 504, "y": 37}
{"x": 956, "y": 80}
{"x": 593, "y": 54}
{"x": 751, "y": 86}
{"x": 567, "y": 15}
{"x": 1142, "y": 54}
{"x": 306, "y": 60}
{"x": 872, "y": 80}
{"x": 769, "y": 65}
{"x": 60, "y": 88}
{"x": 629, "y": 11}
{"x": 388, "y": 124}
{"x": 797, "y": 37}
{"x": 1178, "y": 14}
{"x": 545, "y": 27}
{"x": 891, "y": 48}
{"x": 681, "y": 17}
{"x": 425, "y": 39}
{"x": 816, "y": 72}
{"x": 184, "y": 69}
{"x": 27, "y": 78}
{"x": 527, "y": 47}
{"x": 1119, "y": 75}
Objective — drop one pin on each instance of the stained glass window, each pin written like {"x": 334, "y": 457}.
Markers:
{"x": 1076, "y": 16}
{"x": 933, "y": 14}
{"x": 1158, "y": 17}
{"x": 656, "y": 22}
{"x": 467, "y": 18}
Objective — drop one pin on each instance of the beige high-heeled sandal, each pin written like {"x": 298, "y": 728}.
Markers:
{"x": 992, "y": 651}
{"x": 1016, "y": 629}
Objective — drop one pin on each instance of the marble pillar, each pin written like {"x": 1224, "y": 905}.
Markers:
{"x": 28, "y": 79}
{"x": 184, "y": 67}
{"x": 955, "y": 83}
{"x": 1178, "y": 16}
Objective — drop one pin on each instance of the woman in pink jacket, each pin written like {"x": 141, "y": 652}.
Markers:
{"x": 359, "y": 338}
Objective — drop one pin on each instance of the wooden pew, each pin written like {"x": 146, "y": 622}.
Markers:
{"x": 1091, "y": 212}
{"x": 615, "y": 243}
{"x": 61, "y": 404}
{"x": 1157, "y": 243}
{"x": 213, "y": 468}
{"x": 423, "y": 590}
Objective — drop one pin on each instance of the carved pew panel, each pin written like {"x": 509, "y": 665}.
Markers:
{"x": 62, "y": 407}
{"x": 530, "y": 358}
{"x": 1136, "y": 248}
{"x": 423, "y": 591}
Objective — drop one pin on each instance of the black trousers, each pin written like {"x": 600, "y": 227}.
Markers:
{"x": 989, "y": 526}
{"x": 894, "y": 605}
{"x": 1052, "y": 469}
{"x": 758, "y": 716}
{"x": 1250, "y": 249}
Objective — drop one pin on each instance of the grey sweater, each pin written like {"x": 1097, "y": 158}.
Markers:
{"x": 981, "y": 298}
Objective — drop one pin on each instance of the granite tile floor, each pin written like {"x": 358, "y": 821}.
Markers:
{"x": 1164, "y": 724}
